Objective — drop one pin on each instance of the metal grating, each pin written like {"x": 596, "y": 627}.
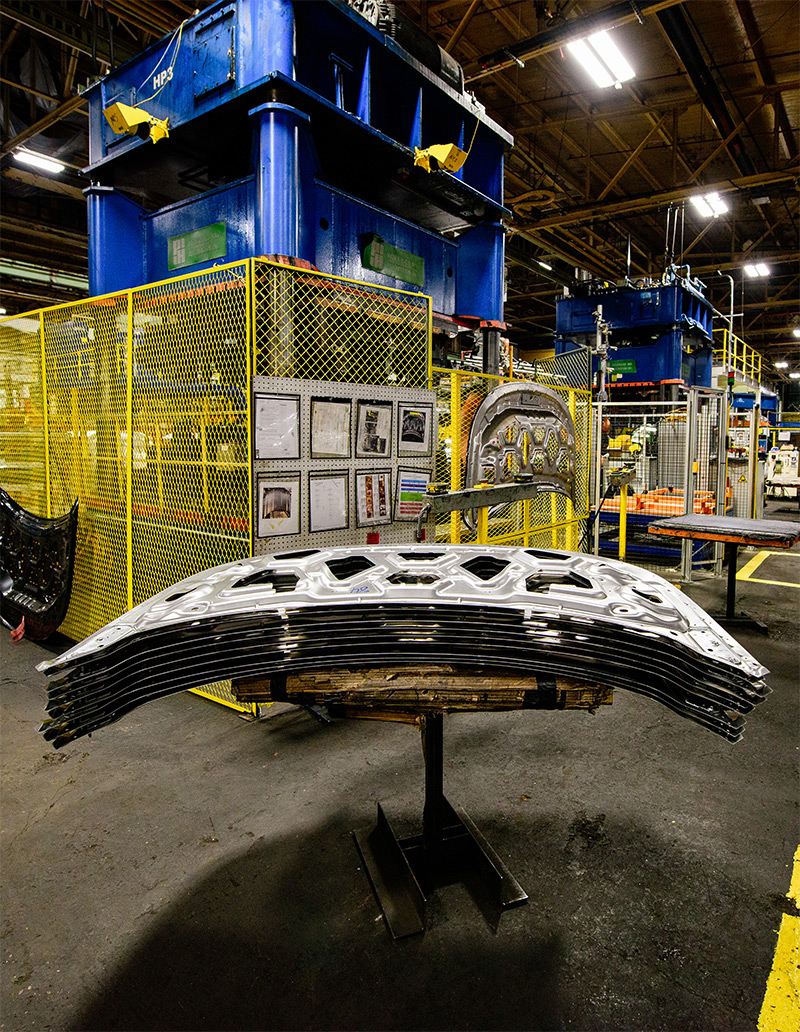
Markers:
{"x": 312, "y": 326}
{"x": 548, "y": 520}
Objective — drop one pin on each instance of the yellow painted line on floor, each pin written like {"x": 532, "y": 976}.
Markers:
{"x": 780, "y": 1011}
{"x": 747, "y": 571}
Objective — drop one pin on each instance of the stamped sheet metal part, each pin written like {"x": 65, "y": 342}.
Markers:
{"x": 36, "y": 561}
{"x": 523, "y": 610}
{"x": 523, "y": 428}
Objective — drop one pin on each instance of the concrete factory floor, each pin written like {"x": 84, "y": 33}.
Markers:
{"x": 185, "y": 869}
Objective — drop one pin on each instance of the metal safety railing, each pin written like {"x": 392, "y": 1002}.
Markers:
{"x": 138, "y": 404}
{"x": 737, "y": 356}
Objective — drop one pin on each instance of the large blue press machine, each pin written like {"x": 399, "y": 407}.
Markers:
{"x": 292, "y": 129}
{"x": 660, "y": 331}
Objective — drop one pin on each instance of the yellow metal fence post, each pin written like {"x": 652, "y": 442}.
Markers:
{"x": 623, "y": 520}
{"x": 483, "y": 525}
{"x": 129, "y": 454}
{"x": 45, "y": 420}
{"x": 570, "y": 505}
{"x": 250, "y": 310}
{"x": 455, "y": 451}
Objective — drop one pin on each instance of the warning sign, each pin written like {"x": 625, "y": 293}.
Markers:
{"x": 743, "y": 479}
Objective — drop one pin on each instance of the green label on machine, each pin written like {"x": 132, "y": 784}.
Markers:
{"x": 201, "y": 245}
{"x": 623, "y": 365}
{"x": 391, "y": 261}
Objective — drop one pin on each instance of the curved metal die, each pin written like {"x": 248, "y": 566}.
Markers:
{"x": 36, "y": 561}
{"x": 523, "y": 428}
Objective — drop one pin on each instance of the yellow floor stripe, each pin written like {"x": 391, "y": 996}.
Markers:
{"x": 747, "y": 571}
{"x": 781, "y": 1009}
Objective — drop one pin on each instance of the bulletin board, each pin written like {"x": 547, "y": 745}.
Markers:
{"x": 339, "y": 463}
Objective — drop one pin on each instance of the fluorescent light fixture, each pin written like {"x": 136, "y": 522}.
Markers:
{"x": 39, "y": 161}
{"x": 756, "y": 269}
{"x": 710, "y": 204}
{"x": 602, "y": 59}
{"x": 612, "y": 57}
{"x": 544, "y": 265}
{"x": 796, "y": 331}
{"x": 794, "y": 376}
{"x": 592, "y": 64}
{"x": 781, "y": 365}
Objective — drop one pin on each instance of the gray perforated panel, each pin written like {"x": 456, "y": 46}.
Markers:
{"x": 395, "y": 532}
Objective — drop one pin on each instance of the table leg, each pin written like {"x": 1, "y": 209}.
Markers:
{"x": 730, "y": 620}
{"x": 730, "y": 558}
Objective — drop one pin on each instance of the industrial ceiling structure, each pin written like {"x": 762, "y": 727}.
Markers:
{"x": 599, "y": 182}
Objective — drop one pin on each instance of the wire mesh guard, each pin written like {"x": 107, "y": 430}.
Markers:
{"x": 147, "y": 412}
{"x": 550, "y": 520}
{"x": 317, "y": 327}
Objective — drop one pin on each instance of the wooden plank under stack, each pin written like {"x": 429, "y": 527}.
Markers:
{"x": 408, "y": 692}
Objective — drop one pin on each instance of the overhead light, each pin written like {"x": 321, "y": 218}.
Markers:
{"x": 38, "y": 161}
{"x": 757, "y": 269}
{"x": 794, "y": 376}
{"x": 544, "y": 265}
{"x": 781, "y": 365}
{"x": 710, "y": 204}
{"x": 602, "y": 59}
{"x": 2, "y": 311}
{"x": 796, "y": 331}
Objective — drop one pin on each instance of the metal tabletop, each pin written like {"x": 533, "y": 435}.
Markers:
{"x": 732, "y": 531}
{"x": 728, "y": 529}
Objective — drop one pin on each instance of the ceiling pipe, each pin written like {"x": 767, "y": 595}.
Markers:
{"x": 574, "y": 28}
{"x": 677, "y": 29}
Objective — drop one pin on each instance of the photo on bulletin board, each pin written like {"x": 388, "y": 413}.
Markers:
{"x": 374, "y": 430}
{"x": 414, "y": 424}
{"x": 328, "y": 501}
{"x": 412, "y": 487}
{"x": 330, "y": 428}
{"x": 373, "y": 498}
{"x": 279, "y": 505}
{"x": 276, "y": 419}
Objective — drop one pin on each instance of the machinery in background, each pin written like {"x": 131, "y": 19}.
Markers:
{"x": 659, "y": 331}
{"x": 324, "y": 132}
{"x": 783, "y": 459}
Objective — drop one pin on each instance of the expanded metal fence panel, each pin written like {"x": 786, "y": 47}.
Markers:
{"x": 23, "y": 471}
{"x": 190, "y": 485}
{"x": 312, "y": 326}
{"x": 148, "y": 426}
{"x": 85, "y": 348}
{"x": 547, "y": 520}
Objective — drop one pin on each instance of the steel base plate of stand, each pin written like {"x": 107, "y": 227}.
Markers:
{"x": 404, "y": 871}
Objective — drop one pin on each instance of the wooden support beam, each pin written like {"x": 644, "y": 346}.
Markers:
{"x": 73, "y": 104}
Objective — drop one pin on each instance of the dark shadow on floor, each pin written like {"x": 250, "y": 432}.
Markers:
{"x": 288, "y": 936}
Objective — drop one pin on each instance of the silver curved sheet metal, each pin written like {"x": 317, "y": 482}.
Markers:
{"x": 530, "y": 611}
{"x": 523, "y": 428}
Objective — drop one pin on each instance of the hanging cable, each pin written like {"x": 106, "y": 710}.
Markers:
{"x": 168, "y": 76}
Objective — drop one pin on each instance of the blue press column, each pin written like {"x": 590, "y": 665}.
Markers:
{"x": 116, "y": 240}
{"x": 285, "y": 168}
{"x": 480, "y": 270}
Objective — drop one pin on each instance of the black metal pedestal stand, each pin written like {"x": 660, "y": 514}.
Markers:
{"x": 403, "y": 871}
{"x": 731, "y": 621}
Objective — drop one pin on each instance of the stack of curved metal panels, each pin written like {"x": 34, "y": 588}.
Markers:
{"x": 529, "y": 611}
